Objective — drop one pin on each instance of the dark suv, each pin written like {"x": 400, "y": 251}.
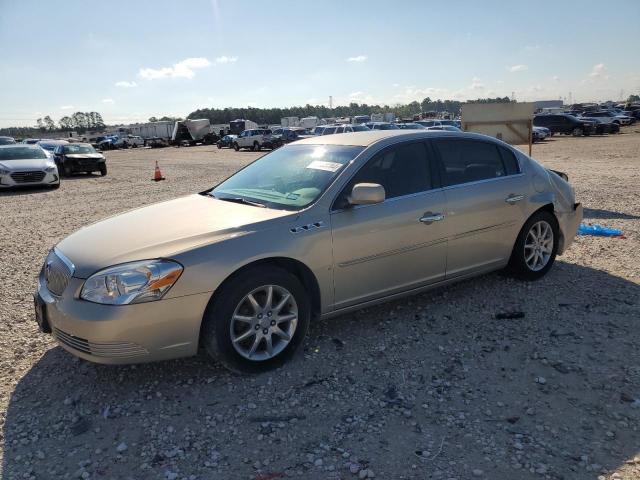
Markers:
{"x": 563, "y": 123}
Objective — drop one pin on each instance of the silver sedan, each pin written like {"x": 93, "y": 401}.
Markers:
{"x": 23, "y": 165}
{"x": 320, "y": 227}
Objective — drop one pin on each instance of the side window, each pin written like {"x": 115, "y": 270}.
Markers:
{"x": 510, "y": 161}
{"x": 467, "y": 161}
{"x": 401, "y": 170}
{"x": 340, "y": 130}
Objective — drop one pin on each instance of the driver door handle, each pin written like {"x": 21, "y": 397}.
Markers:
{"x": 514, "y": 199}
{"x": 429, "y": 217}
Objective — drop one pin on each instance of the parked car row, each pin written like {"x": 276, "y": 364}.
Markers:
{"x": 578, "y": 125}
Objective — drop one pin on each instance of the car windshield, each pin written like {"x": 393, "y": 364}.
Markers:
{"x": 21, "y": 153}
{"x": 289, "y": 178}
{"x": 79, "y": 149}
{"x": 7, "y": 141}
{"x": 360, "y": 128}
{"x": 49, "y": 146}
{"x": 388, "y": 126}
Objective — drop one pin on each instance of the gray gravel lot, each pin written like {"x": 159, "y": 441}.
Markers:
{"x": 433, "y": 386}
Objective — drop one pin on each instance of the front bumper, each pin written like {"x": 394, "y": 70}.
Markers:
{"x": 125, "y": 334}
{"x": 84, "y": 165}
{"x": 9, "y": 181}
{"x": 569, "y": 222}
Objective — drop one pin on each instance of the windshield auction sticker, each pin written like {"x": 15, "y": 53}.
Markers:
{"x": 327, "y": 166}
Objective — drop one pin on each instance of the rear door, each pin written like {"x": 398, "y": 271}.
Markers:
{"x": 395, "y": 245}
{"x": 485, "y": 196}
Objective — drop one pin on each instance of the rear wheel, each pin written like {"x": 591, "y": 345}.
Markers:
{"x": 236, "y": 147}
{"x": 66, "y": 170}
{"x": 536, "y": 247}
{"x": 256, "y": 147}
{"x": 577, "y": 132}
{"x": 257, "y": 320}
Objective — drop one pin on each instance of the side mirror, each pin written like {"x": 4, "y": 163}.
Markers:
{"x": 366, "y": 194}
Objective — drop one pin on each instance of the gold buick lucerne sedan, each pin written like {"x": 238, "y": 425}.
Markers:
{"x": 317, "y": 228}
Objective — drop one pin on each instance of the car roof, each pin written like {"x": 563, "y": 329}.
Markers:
{"x": 365, "y": 139}
{"x": 22, "y": 145}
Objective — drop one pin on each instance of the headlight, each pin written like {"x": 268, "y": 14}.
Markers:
{"x": 3, "y": 171}
{"x": 52, "y": 168}
{"x": 134, "y": 282}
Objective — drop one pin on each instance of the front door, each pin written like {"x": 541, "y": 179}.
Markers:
{"x": 395, "y": 245}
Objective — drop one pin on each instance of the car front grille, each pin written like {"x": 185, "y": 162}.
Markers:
{"x": 99, "y": 349}
{"x": 56, "y": 273}
{"x": 27, "y": 177}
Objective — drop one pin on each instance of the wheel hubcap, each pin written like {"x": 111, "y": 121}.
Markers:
{"x": 538, "y": 246}
{"x": 264, "y": 322}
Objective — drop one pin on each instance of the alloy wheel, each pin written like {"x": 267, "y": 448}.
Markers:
{"x": 264, "y": 322}
{"x": 538, "y": 246}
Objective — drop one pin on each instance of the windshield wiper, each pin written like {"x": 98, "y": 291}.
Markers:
{"x": 240, "y": 200}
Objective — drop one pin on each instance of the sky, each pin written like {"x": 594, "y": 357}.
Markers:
{"x": 130, "y": 60}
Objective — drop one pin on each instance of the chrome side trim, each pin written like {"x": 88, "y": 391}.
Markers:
{"x": 470, "y": 233}
{"x": 389, "y": 253}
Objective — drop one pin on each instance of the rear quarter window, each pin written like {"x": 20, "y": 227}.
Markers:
{"x": 466, "y": 161}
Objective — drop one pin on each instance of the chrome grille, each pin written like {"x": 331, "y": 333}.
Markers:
{"x": 27, "y": 177}
{"x": 56, "y": 273}
{"x": 99, "y": 349}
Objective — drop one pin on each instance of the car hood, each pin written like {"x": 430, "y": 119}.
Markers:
{"x": 83, "y": 155}
{"x": 23, "y": 165}
{"x": 161, "y": 230}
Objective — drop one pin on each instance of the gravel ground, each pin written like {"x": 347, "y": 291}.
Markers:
{"x": 438, "y": 385}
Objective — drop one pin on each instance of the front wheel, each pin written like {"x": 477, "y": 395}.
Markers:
{"x": 257, "y": 320}
{"x": 577, "y": 132}
{"x": 66, "y": 170}
{"x": 103, "y": 170}
{"x": 236, "y": 147}
{"x": 536, "y": 247}
{"x": 256, "y": 147}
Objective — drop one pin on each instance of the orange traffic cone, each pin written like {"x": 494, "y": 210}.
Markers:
{"x": 157, "y": 175}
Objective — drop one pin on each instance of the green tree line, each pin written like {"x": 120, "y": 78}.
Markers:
{"x": 273, "y": 115}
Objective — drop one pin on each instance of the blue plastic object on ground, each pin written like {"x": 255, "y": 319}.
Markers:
{"x": 599, "y": 231}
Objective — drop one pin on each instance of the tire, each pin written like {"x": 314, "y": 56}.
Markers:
{"x": 56, "y": 186}
{"x": 219, "y": 146}
{"x": 256, "y": 147}
{"x": 103, "y": 170}
{"x": 66, "y": 170}
{"x": 236, "y": 147}
{"x": 231, "y": 301}
{"x": 577, "y": 132}
{"x": 518, "y": 264}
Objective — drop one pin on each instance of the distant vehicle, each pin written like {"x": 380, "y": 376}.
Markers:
{"x": 7, "y": 141}
{"x": 256, "y": 139}
{"x": 236, "y": 127}
{"x": 410, "y": 126}
{"x": 360, "y": 119}
{"x": 129, "y": 141}
{"x": 79, "y": 157}
{"x": 342, "y": 128}
{"x": 193, "y": 131}
{"x": 619, "y": 119}
{"x": 429, "y": 123}
{"x": 309, "y": 122}
{"x": 318, "y": 130}
{"x": 226, "y": 141}
{"x": 288, "y": 135}
{"x": 603, "y": 125}
{"x": 538, "y": 134}
{"x": 563, "y": 123}
{"x": 156, "y": 142}
{"x": 50, "y": 145}
{"x": 382, "y": 126}
{"x": 30, "y": 141}
{"x": 26, "y": 165}
{"x": 449, "y": 128}
{"x": 289, "y": 121}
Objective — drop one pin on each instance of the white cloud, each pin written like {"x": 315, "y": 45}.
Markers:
{"x": 66, "y": 107}
{"x": 395, "y": 85}
{"x": 476, "y": 84}
{"x": 599, "y": 71}
{"x": 555, "y": 78}
{"x": 124, "y": 84}
{"x": 108, "y": 100}
{"x": 358, "y": 59}
{"x": 224, "y": 59}
{"x": 356, "y": 94}
{"x": 518, "y": 68}
{"x": 183, "y": 69}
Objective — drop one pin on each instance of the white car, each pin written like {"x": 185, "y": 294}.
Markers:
{"x": 129, "y": 141}
{"x": 256, "y": 139}
{"x": 26, "y": 165}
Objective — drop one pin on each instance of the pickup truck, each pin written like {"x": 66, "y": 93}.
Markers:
{"x": 256, "y": 139}
{"x": 129, "y": 141}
